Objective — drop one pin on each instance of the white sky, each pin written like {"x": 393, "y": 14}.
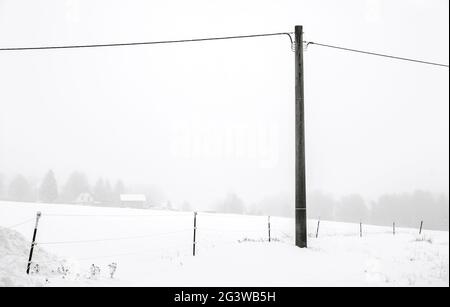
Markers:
{"x": 202, "y": 119}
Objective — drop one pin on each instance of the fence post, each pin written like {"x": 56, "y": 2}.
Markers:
{"x": 195, "y": 234}
{"x": 318, "y": 226}
{"x": 33, "y": 242}
{"x": 421, "y": 226}
{"x": 393, "y": 228}
{"x": 360, "y": 229}
{"x": 268, "y": 224}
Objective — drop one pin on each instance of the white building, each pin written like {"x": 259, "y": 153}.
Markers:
{"x": 133, "y": 200}
{"x": 85, "y": 199}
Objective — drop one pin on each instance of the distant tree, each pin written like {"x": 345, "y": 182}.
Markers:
{"x": 392, "y": 208}
{"x": 352, "y": 208}
{"x": 255, "y": 209}
{"x": 169, "y": 205}
{"x": 232, "y": 204}
{"x": 442, "y": 208}
{"x": 109, "y": 193}
{"x": 99, "y": 191}
{"x": 154, "y": 195}
{"x": 423, "y": 207}
{"x": 48, "y": 191}
{"x": 321, "y": 205}
{"x": 103, "y": 192}
{"x": 274, "y": 205}
{"x": 20, "y": 189}
{"x": 76, "y": 184}
{"x": 2, "y": 186}
{"x": 186, "y": 207}
{"x": 119, "y": 188}
{"x": 408, "y": 209}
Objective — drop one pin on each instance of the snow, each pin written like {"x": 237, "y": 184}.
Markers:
{"x": 154, "y": 248}
{"x": 132, "y": 197}
{"x": 14, "y": 251}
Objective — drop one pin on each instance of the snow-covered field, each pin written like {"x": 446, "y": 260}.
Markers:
{"x": 154, "y": 248}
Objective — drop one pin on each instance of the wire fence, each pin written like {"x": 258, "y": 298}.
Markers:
{"x": 110, "y": 239}
{"x": 20, "y": 224}
{"x": 208, "y": 235}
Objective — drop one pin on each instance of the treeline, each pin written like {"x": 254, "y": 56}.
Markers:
{"x": 405, "y": 209}
{"x": 48, "y": 190}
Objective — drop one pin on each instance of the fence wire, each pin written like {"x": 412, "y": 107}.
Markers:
{"x": 207, "y": 237}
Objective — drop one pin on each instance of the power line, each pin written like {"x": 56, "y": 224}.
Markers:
{"x": 149, "y": 43}
{"x": 288, "y": 34}
{"x": 376, "y": 54}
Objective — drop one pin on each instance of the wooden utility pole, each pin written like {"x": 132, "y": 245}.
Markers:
{"x": 33, "y": 242}
{"x": 301, "y": 235}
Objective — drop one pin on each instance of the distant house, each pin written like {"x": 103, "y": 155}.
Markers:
{"x": 85, "y": 199}
{"x": 133, "y": 200}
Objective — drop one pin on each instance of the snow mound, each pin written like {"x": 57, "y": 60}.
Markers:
{"x": 14, "y": 252}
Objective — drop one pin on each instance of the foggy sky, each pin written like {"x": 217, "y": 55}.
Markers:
{"x": 202, "y": 119}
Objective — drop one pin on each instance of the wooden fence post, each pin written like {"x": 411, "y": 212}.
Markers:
{"x": 360, "y": 229}
{"x": 268, "y": 224}
{"x": 195, "y": 234}
{"x": 33, "y": 242}
{"x": 421, "y": 227}
{"x": 318, "y": 226}
{"x": 393, "y": 228}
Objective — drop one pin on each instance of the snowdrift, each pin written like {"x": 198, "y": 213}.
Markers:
{"x": 14, "y": 251}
